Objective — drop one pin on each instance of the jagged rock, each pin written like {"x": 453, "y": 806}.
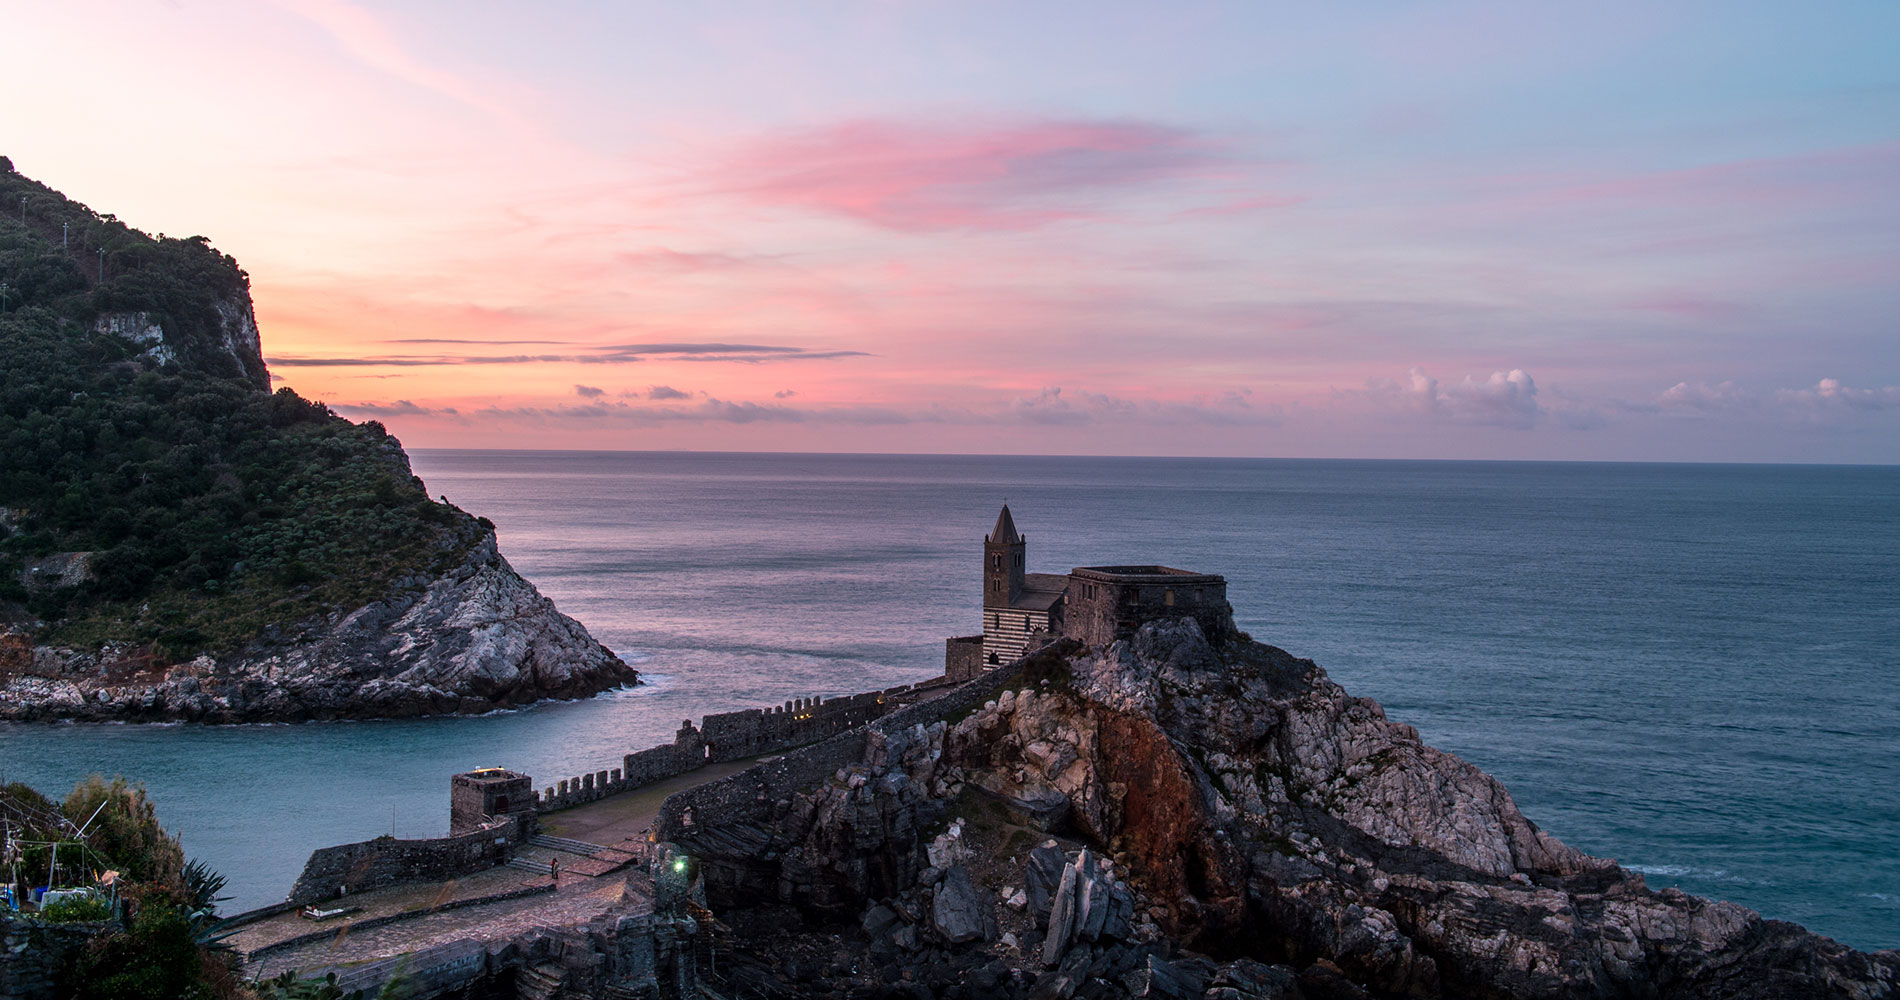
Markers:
{"x": 957, "y": 910}
{"x": 1042, "y": 875}
{"x": 1246, "y": 979}
{"x": 877, "y": 920}
{"x": 1061, "y": 929}
{"x": 475, "y": 639}
{"x": 1092, "y": 899}
{"x": 1156, "y": 978}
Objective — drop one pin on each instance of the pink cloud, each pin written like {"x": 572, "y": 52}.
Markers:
{"x": 921, "y": 178}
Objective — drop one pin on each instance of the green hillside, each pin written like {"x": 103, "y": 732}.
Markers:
{"x": 158, "y": 493}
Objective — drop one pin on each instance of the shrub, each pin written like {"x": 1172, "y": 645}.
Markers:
{"x": 77, "y": 909}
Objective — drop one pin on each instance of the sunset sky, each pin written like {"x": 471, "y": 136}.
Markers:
{"x": 1411, "y": 230}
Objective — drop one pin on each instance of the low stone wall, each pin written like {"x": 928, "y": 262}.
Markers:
{"x": 372, "y": 864}
{"x": 33, "y": 955}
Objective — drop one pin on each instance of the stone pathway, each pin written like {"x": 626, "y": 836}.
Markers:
{"x": 577, "y": 903}
{"x": 597, "y": 844}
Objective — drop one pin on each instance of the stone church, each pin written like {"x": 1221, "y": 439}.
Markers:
{"x": 1023, "y": 611}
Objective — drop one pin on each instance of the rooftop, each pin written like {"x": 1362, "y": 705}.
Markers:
{"x": 1040, "y": 591}
{"x": 1005, "y": 531}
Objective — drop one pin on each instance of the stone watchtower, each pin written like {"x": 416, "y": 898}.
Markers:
{"x": 1005, "y": 554}
{"x": 487, "y": 794}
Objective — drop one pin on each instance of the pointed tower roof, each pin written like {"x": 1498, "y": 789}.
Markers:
{"x": 1005, "y": 531}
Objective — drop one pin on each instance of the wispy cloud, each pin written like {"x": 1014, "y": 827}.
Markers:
{"x": 589, "y": 391}
{"x": 1051, "y": 406}
{"x": 367, "y": 39}
{"x": 399, "y": 408}
{"x": 934, "y": 177}
{"x": 607, "y": 355}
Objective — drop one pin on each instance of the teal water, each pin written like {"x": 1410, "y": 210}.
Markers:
{"x": 1687, "y": 668}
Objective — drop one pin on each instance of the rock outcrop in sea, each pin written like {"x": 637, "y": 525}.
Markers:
{"x": 1167, "y": 816}
{"x": 472, "y": 640}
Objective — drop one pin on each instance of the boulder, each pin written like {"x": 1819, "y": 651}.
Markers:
{"x": 957, "y": 910}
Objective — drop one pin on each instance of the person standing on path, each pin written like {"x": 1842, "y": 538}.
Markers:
{"x": 554, "y": 871}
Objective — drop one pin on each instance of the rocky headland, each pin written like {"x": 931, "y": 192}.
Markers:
{"x": 1174, "y": 816}
{"x": 179, "y": 542}
{"x": 472, "y": 640}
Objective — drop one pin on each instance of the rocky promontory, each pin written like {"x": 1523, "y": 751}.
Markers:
{"x": 472, "y": 640}
{"x": 179, "y": 542}
{"x": 1169, "y": 816}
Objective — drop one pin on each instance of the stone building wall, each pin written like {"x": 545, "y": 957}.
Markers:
{"x": 1012, "y": 632}
{"x": 478, "y": 797}
{"x": 1106, "y": 603}
{"x": 962, "y": 657}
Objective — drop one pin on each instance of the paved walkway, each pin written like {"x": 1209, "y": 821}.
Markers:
{"x": 576, "y": 902}
{"x": 630, "y": 814}
{"x": 591, "y": 883}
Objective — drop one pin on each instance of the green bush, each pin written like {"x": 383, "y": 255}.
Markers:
{"x": 76, "y": 909}
{"x": 124, "y": 830}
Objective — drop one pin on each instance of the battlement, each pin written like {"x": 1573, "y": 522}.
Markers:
{"x": 727, "y": 736}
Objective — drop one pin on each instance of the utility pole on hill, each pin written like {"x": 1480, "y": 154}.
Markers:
{"x": 23, "y": 210}
{"x": 102, "y": 265}
{"x": 3, "y": 297}
{"x": 62, "y": 235}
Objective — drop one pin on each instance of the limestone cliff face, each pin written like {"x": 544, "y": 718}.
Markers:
{"x": 473, "y": 640}
{"x": 1254, "y": 811}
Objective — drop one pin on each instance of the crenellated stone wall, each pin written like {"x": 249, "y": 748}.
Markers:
{"x": 729, "y": 736}
{"x": 751, "y": 795}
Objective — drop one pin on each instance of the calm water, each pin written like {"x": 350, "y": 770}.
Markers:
{"x": 1687, "y": 668}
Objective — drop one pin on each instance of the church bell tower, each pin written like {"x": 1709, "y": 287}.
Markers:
{"x": 1005, "y": 556}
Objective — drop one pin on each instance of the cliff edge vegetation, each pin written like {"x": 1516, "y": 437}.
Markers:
{"x": 161, "y": 508}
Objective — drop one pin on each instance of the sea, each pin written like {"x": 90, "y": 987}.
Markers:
{"x": 1688, "y": 668}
